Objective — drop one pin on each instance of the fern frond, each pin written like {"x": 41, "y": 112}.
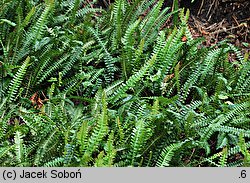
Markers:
{"x": 118, "y": 13}
{"x": 54, "y": 163}
{"x": 244, "y": 150}
{"x": 223, "y": 159}
{"x": 51, "y": 69}
{"x": 19, "y": 147}
{"x": 140, "y": 135}
{"x": 45, "y": 147}
{"x": 36, "y": 31}
{"x": 232, "y": 130}
{"x": 133, "y": 79}
{"x": 82, "y": 136}
{"x": 5, "y": 152}
{"x": 108, "y": 59}
{"x": 17, "y": 80}
{"x": 101, "y": 128}
{"x": 167, "y": 154}
{"x": 243, "y": 81}
{"x": 110, "y": 151}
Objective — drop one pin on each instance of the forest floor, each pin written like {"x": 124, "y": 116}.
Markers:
{"x": 217, "y": 20}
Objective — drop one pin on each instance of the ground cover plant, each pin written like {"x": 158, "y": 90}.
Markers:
{"x": 127, "y": 85}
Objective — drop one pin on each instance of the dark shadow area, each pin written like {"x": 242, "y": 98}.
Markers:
{"x": 220, "y": 19}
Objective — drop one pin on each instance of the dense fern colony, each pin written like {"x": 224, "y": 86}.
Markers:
{"x": 86, "y": 86}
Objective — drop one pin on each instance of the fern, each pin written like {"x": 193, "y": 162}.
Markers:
{"x": 100, "y": 129}
{"x": 52, "y": 69}
{"x": 36, "y": 32}
{"x": 128, "y": 41}
{"x": 19, "y": 147}
{"x": 242, "y": 85}
{"x": 83, "y": 137}
{"x": 119, "y": 86}
{"x": 140, "y": 135}
{"x": 243, "y": 149}
{"x": 133, "y": 80}
{"x": 110, "y": 151}
{"x": 118, "y": 16}
{"x": 108, "y": 59}
{"x": 167, "y": 154}
{"x": 5, "y": 153}
{"x": 54, "y": 163}
{"x": 45, "y": 147}
{"x": 223, "y": 158}
{"x": 17, "y": 80}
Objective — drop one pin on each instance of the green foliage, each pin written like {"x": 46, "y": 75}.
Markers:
{"x": 17, "y": 80}
{"x": 167, "y": 154}
{"x": 87, "y": 86}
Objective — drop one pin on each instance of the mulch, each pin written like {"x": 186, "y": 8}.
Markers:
{"x": 218, "y": 20}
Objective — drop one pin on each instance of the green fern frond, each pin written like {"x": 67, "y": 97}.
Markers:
{"x": 136, "y": 9}
{"x": 52, "y": 68}
{"x": 101, "y": 128}
{"x": 209, "y": 63}
{"x": 133, "y": 80}
{"x": 69, "y": 151}
{"x": 128, "y": 41}
{"x": 40, "y": 26}
{"x": 149, "y": 25}
{"x": 45, "y": 147}
{"x": 184, "y": 22}
{"x": 231, "y": 152}
{"x": 118, "y": 13}
{"x": 73, "y": 59}
{"x": 4, "y": 153}
{"x": 19, "y": 147}
{"x": 141, "y": 133}
{"x": 150, "y": 18}
{"x": 108, "y": 59}
{"x": 85, "y": 11}
{"x": 244, "y": 150}
{"x": 223, "y": 159}
{"x": 167, "y": 154}
{"x": 233, "y": 130}
{"x": 243, "y": 81}
{"x": 17, "y": 80}
{"x": 82, "y": 136}
{"x": 36, "y": 31}
{"x": 193, "y": 78}
{"x": 54, "y": 163}
{"x": 110, "y": 151}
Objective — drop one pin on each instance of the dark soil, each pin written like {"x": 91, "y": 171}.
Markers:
{"x": 220, "y": 19}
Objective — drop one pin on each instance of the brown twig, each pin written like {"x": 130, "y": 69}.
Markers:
{"x": 225, "y": 30}
{"x": 189, "y": 159}
{"x": 210, "y": 8}
{"x": 234, "y": 17}
{"x": 201, "y": 6}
